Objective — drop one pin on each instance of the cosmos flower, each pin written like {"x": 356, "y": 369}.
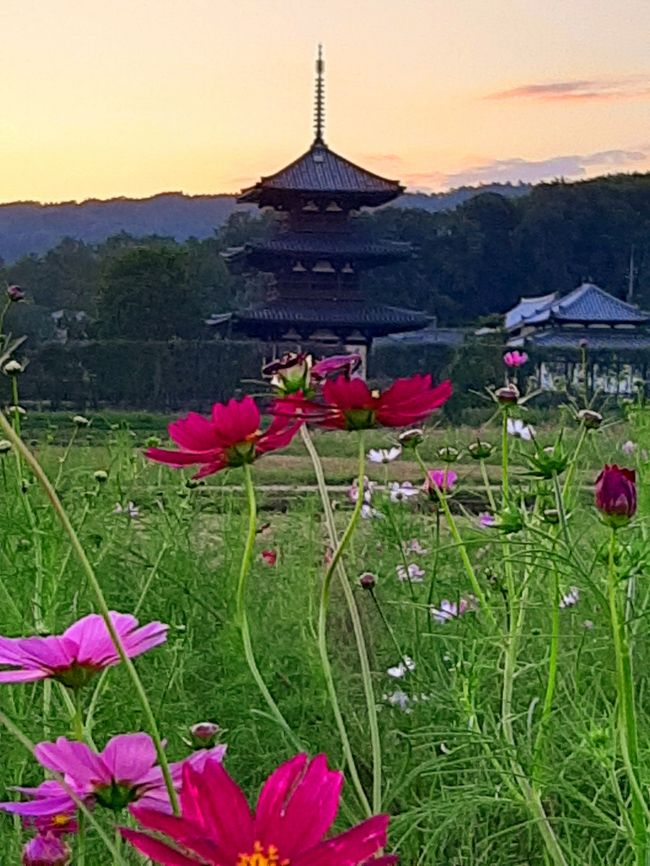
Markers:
{"x": 615, "y": 493}
{"x": 368, "y": 489}
{"x": 370, "y": 513}
{"x": 398, "y": 699}
{"x": 517, "y": 428}
{"x": 486, "y": 519}
{"x": 515, "y": 359}
{"x": 405, "y": 666}
{"x": 402, "y": 492}
{"x": 46, "y": 850}
{"x": 440, "y": 479}
{"x": 130, "y": 510}
{"x": 295, "y": 809}
{"x": 628, "y": 447}
{"x": 449, "y": 610}
{"x": 349, "y": 404}
{"x": 15, "y": 293}
{"x": 270, "y": 557}
{"x": 230, "y": 437}
{"x": 336, "y": 365}
{"x": 412, "y": 573}
{"x": 414, "y": 546}
{"x": 79, "y": 653}
{"x": 384, "y": 455}
{"x": 570, "y": 598}
{"x": 125, "y": 771}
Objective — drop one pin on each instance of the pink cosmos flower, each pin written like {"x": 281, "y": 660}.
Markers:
{"x": 125, "y": 771}
{"x": 515, "y": 359}
{"x": 487, "y": 519}
{"x": 449, "y": 610}
{"x": 295, "y": 809}
{"x": 336, "y": 365}
{"x": 230, "y": 437}
{"x": 440, "y": 479}
{"x": 270, "y": 557}
{"x": 46, "y": 850}
{"x": 80, "y": 652}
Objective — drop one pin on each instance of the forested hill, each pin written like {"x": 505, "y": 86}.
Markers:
{"x": 31, "y": 227}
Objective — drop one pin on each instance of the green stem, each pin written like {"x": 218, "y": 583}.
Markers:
{"x": 504, "y": 457}
{"x": 627, "y": 728}
{"x": 51, "y": 494}
{"x": 387, "y": 626}
{"x": 324, "y": 657}
{"x": 460, "y": 546}
{"x": 62, "y": 460}
{"x": 488, "y": 486}
{"x": 362, "y": 650}
{"x": 242, "y": 617}
{"x": 571, "y": 471}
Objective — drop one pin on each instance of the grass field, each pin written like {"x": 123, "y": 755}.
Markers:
{"x": 461, "y": 735}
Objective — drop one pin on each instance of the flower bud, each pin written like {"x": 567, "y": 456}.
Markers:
{"x": 549, "y": 461}
{"x": 5, "y": 446}
{"x": 448, "y": 454}
{"x": 46, "y": 850}
{"x": 515, "y": 359}
{"x": 80, "y": 421}
{"x": 480, "y": 450}
{"x": 591, "y": 420}
{"x": 615, "y": 493}
{"x": 290, "y": 373}
{"x": 508, "y": 394}
{"x": 101, "y": 476}
{"x": 153, "y": 441}
{"x": 368, "y": 580}
{"x": 204, "y": 734}
{"x": 551, "y": 515}
{"x": 411, "y": 438}
{"x": 12, "y": 368}
{"x": 193, "y": 483}
{"x": 15, "y": 293}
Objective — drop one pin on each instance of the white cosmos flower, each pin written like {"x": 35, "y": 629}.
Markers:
{"x": 369, "y": 513}
{"x": 516, "y": 427}
{"x": 398, "y": 699}
{"x": 571, "y": 598}
{"x": 414, "y": 546}
{"x": 130, "y": 510}
{"x": 628, "y": 447}
{"x": 402, "y": 492}
{"x": 384, "y": 455}
{"x": 405, "y": 666}
{"x": 413, "y": 573}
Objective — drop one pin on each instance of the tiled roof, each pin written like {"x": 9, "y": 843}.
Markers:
{"x": 609, "y": 339}
{"x": 429, "y": 336}
{"x": 347, "y": 245}
{"x": 586, "y": 304}
{"x": 526, "y": 307}
{"x": 334, "y": 313}
{"x": 320, "y": 170}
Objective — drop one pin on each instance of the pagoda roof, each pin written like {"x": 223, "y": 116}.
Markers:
{"x": 328, "y": 245}
{"x": 588, "y": 304}
{"x": 315, "y": 315}
{"x": 320, "y": 172}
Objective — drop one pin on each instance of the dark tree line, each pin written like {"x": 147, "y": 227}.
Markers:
{"x": 470, "y": 263}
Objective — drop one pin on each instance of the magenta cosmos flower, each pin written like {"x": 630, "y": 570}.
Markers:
{"x": 515, "y": 359}
{"x": 440, "y": 479}
{"x": 80, "y": 652}
{"x": 615, "y": 494}
{"x": 124, "y": 772}
{"x": 46, "y": 850}
{"x": 295, "y": 809}
{"x": 230, "y": 437}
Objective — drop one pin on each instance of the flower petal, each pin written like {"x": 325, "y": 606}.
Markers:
{"x": 129, "y": 757}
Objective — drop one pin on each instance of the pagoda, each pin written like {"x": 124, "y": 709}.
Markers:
{"x": 318, "y": 251}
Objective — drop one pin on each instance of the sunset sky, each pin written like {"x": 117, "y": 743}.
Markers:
{"x": 135, "y": 97}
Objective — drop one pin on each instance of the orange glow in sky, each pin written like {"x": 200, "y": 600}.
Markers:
{"x": 136, "y": 97}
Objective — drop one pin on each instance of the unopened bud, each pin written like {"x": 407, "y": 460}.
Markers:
{"x": 80, "y": 421}
{"x": 367, "y": 580}
{"x": 592, "y": 420}
{"x": 101, "y": 476}
{"x": 448, "y": 454}
{"x": 551, "y": 515}
{"x": 152, "y": 441}
{"x": 15, "y": 293}
{"x": 411, "y": 438}
{"x": 480, "y": 450}
{"x": 5, "y": 445}
{"x": 507, "y": 394}
{"x": 12, "y": 368}
{"x": 204, "y": 733}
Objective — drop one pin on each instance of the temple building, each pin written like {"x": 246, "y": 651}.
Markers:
{"x": 318, "y": 251}
{"x": 559, "y": 330}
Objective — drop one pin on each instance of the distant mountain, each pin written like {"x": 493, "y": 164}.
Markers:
{"x": 31, "y": 227}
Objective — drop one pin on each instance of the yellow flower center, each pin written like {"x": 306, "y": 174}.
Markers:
{"x": 262, "y": 857}
{"x": 61, "y": 820}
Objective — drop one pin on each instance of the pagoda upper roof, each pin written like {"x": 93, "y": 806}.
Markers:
{"x": 347, "y": 245}
{"x": 321, "y": 172}
{"x": 588, "y": 304}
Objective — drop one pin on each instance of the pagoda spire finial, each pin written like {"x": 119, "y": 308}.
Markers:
{"x": 319, "y": 108}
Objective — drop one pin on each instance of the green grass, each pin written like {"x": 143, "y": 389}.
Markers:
{"x": 448, "y": 782}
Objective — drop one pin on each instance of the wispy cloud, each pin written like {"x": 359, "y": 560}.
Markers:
{"x": 517, "y": 170}
{"x": 602, "y": 89}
